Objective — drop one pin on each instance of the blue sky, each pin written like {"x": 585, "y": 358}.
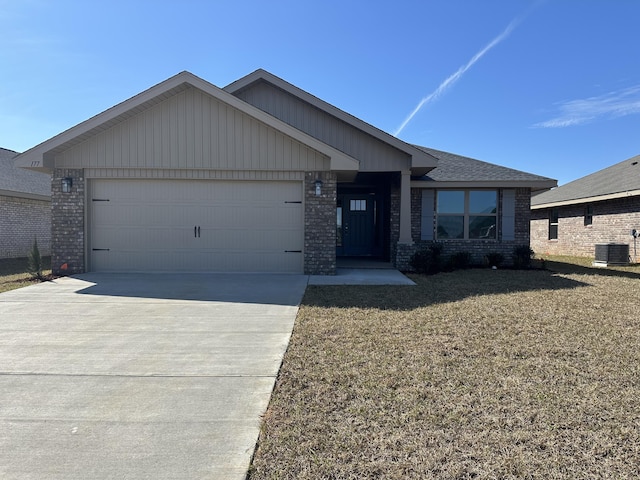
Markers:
{"x": 549, "y": 87}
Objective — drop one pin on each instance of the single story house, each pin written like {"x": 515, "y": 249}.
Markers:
{"x": 601, "y": 208}
{"x": 261, "y": 176}
{"x": 25, "y": 208}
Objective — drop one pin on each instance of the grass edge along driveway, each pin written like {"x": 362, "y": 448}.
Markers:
{"x": 471, "y": 374}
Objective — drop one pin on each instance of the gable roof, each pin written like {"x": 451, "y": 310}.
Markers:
{"x": 17, "y": 182}
{"x": 617, "y": 181}
{"x": 421, "y": 160}
{"x": 41, "y": 157}
{"x": 459, "y": 171}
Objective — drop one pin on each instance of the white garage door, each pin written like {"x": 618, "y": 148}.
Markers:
{"x": 193, "y": 225}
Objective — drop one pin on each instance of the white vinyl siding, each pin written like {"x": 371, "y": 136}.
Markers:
{"x": 374, "y": 155}
{"x": 192, "y": 225}
{"x": 192, "y": 130}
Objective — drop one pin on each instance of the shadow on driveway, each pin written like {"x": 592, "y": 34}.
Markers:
{"x": 272, "y": 289}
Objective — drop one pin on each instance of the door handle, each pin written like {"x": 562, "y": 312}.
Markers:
{"x": 195, "y": 229}
{"x": 198, "y": 231}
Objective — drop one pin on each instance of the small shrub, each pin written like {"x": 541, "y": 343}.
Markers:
{"x": 34, "y": 267}
{"x": 494, "y": 259}
{"x": 460, "y": 260}
{"x": 522, "y": 255}
{"x": 428, "y": 260}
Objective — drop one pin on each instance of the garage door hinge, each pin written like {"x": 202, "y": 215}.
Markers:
{"x": 100, "y": 249}
{"x": 293, "y": 251}
{"x": 99, "y": 199}
{"x": 299, "y": 201}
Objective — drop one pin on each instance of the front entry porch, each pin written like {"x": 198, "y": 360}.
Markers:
{"x": 362, "y": 218}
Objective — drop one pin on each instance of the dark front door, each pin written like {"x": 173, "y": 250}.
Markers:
{"x": 357, "y": 235}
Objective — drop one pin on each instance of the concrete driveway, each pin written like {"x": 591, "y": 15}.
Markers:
{"x": 140, "y": 375}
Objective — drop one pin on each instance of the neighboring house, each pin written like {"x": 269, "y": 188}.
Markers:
{"x": 25, "y": 208}
{"x": 601, "y": 208}
{"x": 262, "y": 176}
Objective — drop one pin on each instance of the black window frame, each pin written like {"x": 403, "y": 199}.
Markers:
{"x": 467, "y": 214}
{"x": 553, "y": 224}
{"x": 588, "y": 215}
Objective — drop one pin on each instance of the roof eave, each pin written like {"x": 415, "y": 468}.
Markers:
{"x": 30, "y": 196}
{"x": 41, "y": 157}
{"x": 421, "y": 161}
{"x": 582, "y": 201}
{"x": 534, "y": 185}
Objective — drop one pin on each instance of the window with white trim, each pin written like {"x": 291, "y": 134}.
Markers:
{"x": 466, "y": 214}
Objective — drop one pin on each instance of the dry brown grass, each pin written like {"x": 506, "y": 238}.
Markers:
{"x": 13, "y": 273}
{"x": 472, "y": 374}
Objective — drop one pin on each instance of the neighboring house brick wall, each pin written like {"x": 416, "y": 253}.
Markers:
{"x": 612, "y": 222}
{"x": 21, "y": 221}
{"x": 320, "y": 224}
{"x": 477, "y": 248}
{"x": 67, "y": 229}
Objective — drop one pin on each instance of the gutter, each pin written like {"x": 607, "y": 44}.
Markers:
{"x": 580, "y": 201}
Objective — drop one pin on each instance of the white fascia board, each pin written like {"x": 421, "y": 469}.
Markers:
{"x": 36, "y": 158}
{"x": 534, "y": 185}
{"x": 419, "y": 158}
{"x": 30, "y": 196}
{"x": 582, "y": 201}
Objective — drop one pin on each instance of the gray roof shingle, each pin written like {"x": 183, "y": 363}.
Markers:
{"x": 619, "y": 178}
{"x": 19, "y": 180}
{"x": 456, "y": 168}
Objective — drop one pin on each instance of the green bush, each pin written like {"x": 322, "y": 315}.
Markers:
{"x": 493, "y": 259}
{"x": 460, "y": 260}
{"x": 522, "y": 255}
{"x": 427, "y": 260}
{"x": 34, "y": 267}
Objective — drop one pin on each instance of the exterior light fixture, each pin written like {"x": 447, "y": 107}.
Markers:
{"x": 67, "y": 183}
{"x": 318, "y": 188}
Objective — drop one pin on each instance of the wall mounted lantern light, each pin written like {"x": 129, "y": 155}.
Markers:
{"x": 67, "y": 183}
{"x": 318, "y": 188}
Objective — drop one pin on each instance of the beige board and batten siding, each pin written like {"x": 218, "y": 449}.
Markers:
{"x": 374, "y": 155}
{"x": 195, "y": 225}
{"x": 193, "y": 130}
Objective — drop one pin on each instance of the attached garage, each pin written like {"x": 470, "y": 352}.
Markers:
{"x": 195, "y": 225}
{"x": 185, "y": 177}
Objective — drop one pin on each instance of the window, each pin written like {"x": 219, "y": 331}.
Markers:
{"x": 466, "y": 214}
{"x": 553, "y": 224}
{"x": 588, "y": 215}
{"x": 358, "y": 205}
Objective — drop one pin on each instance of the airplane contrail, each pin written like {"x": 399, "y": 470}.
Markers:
{"x": 456, "y": 76}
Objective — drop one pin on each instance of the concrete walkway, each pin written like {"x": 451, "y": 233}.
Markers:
{"x": 140, "y": 376}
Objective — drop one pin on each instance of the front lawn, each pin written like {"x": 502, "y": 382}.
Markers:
{"x": 472, "y": 374}
{"x": 13, "y": 273}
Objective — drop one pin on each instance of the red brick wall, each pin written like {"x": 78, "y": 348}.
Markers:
{"x": 613, "y": 221}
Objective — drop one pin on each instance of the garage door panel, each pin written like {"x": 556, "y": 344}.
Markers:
{"x": 148, "y": 225}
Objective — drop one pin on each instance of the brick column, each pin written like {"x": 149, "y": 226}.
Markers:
{"x": 320, "y": 224}
{"x": 67, "y": 223}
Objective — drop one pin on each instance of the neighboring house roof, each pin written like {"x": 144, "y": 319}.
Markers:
{"x": 458, "y": 171}
{"x": 617, "y": 181}
{"x": 422, "y": 161}
{"x": 41, "y": 157}
{"x": 17, "y": 182}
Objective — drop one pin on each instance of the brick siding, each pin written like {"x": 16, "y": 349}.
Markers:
{"x": 320, "y": 224}
{"x": 477, "y": 248}
{"x": 21, "y": 221}
{"x": 67, "y": 229}
{"x": 613, "y": 221}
